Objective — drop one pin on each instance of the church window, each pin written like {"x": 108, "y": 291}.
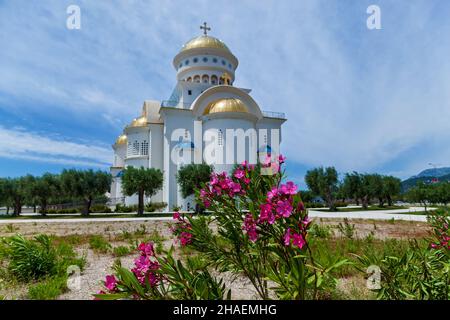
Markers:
{"x": 224, "y": 62}
{"x": 129, "y": 149}
{"x": 181, "y": 64}
{"x": 215, "y": 60}
{"x": 186, "y": 62}
{"x": 229, "y": 65}
{"x": 205, "y": 59}
{"x": 135, "y": 148}
{"x": 190, "y": 92}
{"x": 220, "y": 138}
{"x": 195, "y": 60}
{"x": 144, "y": 148}
{"x": 205, "y": 78}
{"x": 189, "y": 79}
{"x": 214, "y": 79}
{"x": 197, "y": 79}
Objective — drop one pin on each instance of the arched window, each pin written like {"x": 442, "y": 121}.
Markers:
{"x": 144, "y": 148}
{"x": 189, "y": 79}
{"x": 213, "y": 79}
{"x": 220, "y": 137}
{"x": 221, "y": 80}
{"x": 197, "y": 79}
{"x": 205, "y": 78}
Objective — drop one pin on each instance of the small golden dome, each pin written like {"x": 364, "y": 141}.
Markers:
{"x": 205, "y": 42}
{"x": 139, "y": 122}
{"x": 122, "y": 139}
{"x": 226, "y": 105}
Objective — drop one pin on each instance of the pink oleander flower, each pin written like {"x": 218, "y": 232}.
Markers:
{"x": 283, "y": 208}
{"x": 272, "y": 193}
{"x": 239, "y": 174}
{"x": 146, "y": 249}
{"x": 287, "y": 237}
{"x": 266, "y": 214}
{"x": 176, "y": 216}
{"x": 185, "y": 238}
{"x": 281, "y": 159}
{"x": 213, "y": 180}
{"x": 298, "y": 240}
{"x": 111, "y": 283}
{"x": 289, "y": 188}
{"x": 250, "y": 227}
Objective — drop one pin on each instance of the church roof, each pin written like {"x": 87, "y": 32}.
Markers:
{"x": 122, "y": 139}
{"x": 205, "y": 41}
{"x": 226, "y": 105}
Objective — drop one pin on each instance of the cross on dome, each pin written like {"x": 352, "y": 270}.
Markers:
{"x": 205, "y": 28}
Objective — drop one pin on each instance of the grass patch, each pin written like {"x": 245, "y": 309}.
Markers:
{"x": 370, "y": 208}
{"x": 48, "y": 289}
{"x": 99, "y": 244}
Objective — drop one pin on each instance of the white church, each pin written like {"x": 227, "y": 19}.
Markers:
{"x": 206, "y": 119}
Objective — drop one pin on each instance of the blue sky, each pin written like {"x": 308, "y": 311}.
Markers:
{"x": 358, "y": 99}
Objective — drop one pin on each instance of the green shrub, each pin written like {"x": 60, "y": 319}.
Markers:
{"x": 321, "y": 231}
{"x": 48, "y": 289}
{"x": 341, "y": 204}
{"x": 314, "y": 205}
{"x": 121, "y": 251}
{"x": 100, "y": 208}
{"x": 38, "y": 258}
{"x": 155, "y": 206}
{"x": 99, "y": 244}
{"x": 30, "y": 259}
{"x": 347, "y": 229}
{"x": 120, "y": 208}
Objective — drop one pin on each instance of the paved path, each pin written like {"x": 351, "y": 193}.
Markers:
{"x": 399, "y": 214}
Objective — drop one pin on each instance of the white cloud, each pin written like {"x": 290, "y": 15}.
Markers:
{"x": 19, "y": 144}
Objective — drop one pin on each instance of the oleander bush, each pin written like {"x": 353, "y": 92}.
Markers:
{"x": 261, "y": 233}
{"x": 422, "y": 271}
{"x": 40, "y": 262}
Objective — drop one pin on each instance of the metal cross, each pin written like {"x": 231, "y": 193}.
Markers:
{"x": 205, "y": 28}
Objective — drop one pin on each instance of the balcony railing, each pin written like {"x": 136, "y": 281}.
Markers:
{"x": 177, "y": 104}
{"x": 174, "y": 104}
{"x": 270, "y": 114}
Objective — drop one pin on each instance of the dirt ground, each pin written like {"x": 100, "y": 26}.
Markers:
{"x": 99, "y": 265}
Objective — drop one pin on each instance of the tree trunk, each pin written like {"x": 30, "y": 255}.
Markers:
{"x": 365, "y": 202}
{"x": 87, "y": 206}
{"x": 44, "y": 207}
{"x": 7, "y": 210}
{"x": 141, "y": 203}
{"x": 389, "y": 199}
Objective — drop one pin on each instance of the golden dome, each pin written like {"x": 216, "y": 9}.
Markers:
{"x": 122, "y": 139}
{"x": 204, "y": 42}
{"x": 139, "y": 122}
{"x": 226, "y": 105}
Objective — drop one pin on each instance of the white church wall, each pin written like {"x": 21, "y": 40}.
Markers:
{"x": 229, "y": 151}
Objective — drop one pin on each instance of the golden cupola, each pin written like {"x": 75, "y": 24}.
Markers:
{"x": 205, "y": 41}
{"x": 122, "y": 139}
{"x": 226, "y": 105}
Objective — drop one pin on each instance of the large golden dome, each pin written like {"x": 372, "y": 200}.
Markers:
{"x": 140, "y": 122}
{"x": 226, "y": 105}
{"x": 205, "y": 42}
{"x": 122, "y": 139}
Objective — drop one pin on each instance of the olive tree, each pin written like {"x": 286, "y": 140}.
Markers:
{"x": 85, "y": 184}
{"x": 141, "y": 181}
{"x": 324, "y": 182}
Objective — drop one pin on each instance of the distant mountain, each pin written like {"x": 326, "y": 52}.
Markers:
{"x": 427, "y": 176}
{"x": 435, "y": 172}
